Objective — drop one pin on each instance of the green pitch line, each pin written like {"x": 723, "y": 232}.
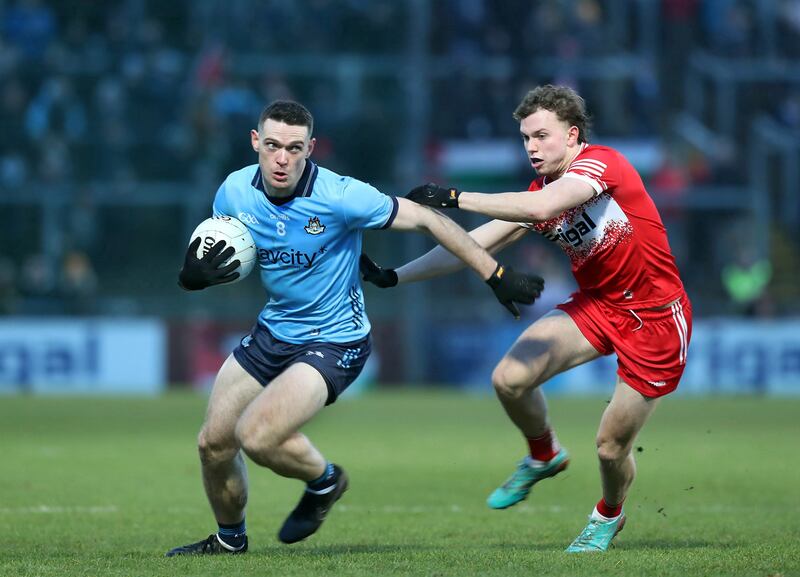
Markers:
{"x": 106, "y": 486}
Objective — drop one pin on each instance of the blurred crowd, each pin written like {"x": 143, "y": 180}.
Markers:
{"x": 105, "y": 97}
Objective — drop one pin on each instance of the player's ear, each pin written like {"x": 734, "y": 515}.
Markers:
{"x": 311, "y": 144}
{"x": 254, "y": 139}
{"x": 573, "y": 134}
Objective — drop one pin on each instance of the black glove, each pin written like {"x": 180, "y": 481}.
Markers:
{"x": 434, "y": 195}
{"x": 199, "y": 273}
{"x": 376, "y": 274}
{"x": 510, "y": 287}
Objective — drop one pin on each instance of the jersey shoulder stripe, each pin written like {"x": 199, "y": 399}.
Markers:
{"x": 590, "y": 170}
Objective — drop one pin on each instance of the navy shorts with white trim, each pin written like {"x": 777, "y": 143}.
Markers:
{"x": 264, "y": 357}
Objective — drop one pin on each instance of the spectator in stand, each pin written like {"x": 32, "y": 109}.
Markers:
{"x": 746, "y": 281}
{"x": 78, "y": 282}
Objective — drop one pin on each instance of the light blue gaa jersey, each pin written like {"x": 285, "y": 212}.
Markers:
{"x": 308, "y": 249}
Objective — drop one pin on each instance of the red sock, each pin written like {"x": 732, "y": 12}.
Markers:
{"x": 545, "y": 447}
{"x": 607, "y": 510}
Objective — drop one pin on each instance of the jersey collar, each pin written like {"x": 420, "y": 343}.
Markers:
{"x": 305, "y": 186}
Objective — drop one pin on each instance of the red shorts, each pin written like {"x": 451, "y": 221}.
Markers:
{"x": 650, "y": 344}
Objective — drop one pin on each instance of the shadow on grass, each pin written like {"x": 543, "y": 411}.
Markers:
{"x": 344, "y": 549}
{"x": 544, "y": 546}
{"x": 667, "y": 544}
{"x": 638, "y": 545}
{"x": 549, "y": 546}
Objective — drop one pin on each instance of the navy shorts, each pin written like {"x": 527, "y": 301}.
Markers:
{"x": 265, "y": 357}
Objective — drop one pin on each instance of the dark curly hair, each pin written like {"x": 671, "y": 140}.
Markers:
{"x": 567, "y": 105}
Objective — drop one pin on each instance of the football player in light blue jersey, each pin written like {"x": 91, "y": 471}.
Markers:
{"x": 308, "y": 249}
{"x": 312, "y": 337}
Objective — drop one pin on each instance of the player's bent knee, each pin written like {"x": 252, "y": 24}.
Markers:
{"x": 247, "y": 437}
{"x": 509, "y": 383}
{"x": 611, "y": 450}
{"x": 264, "y": 453}
{"x": 506, "y": 385}
{"x": 256, "y": 439}
{"x": 214, "y": 451}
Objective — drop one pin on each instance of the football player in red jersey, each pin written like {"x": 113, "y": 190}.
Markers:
{"x": 591, "y": 202}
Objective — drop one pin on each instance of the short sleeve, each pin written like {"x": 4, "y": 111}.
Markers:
{"x": 597, "y": 168}
{"x": 364, "y": 206}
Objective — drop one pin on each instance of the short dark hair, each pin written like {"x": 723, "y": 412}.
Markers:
{"x": 288, "y": 112}
{"x": 563, "y": 101}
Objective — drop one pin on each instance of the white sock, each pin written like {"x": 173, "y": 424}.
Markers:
{"x": 535, "y": 464}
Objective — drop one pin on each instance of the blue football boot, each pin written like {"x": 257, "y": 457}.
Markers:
{"x": 597, "y": 535}
{"x": 519, "y": 484}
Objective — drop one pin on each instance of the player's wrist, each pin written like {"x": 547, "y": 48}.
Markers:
{"x": 451, "y": 197}
{"x": 391, "y": 277}
{"x": 386, "y": 278}
{"x": 373, "y": 273}
{"x": 496, "y": 277}
{"x": 464, "y": 199}
{"x": 432, "y": 194}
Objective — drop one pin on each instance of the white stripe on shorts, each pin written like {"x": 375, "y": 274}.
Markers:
{"x": 680, "y": 322}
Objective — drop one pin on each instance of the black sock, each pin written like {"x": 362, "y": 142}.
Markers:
{"x": 323, "y": 481}
{"x": 232, "y": 535}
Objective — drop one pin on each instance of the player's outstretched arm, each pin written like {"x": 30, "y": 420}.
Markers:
{"x": 538, "y": 206}
{"x": 208, "y": 270}
{"x": 493, "y": 236}
{"x": 509, "y": 286}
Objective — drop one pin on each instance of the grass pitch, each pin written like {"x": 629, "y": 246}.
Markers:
{"x": 106, "y": 486}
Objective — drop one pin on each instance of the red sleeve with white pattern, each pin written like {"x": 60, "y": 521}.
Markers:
{"x": 597, "y": 166}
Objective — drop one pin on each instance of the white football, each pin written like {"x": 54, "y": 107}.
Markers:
{"x": 235, "y": 234}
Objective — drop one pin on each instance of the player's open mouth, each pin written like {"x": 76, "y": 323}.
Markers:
{"x": 536, "y": 162}
{"x": 280, "y": 176}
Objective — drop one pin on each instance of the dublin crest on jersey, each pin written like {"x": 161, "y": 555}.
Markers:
{"x": 314, "y": 226}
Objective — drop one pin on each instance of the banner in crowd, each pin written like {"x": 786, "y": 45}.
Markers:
{"x": 66, "y": 356}
{"x": 726, "y": 356}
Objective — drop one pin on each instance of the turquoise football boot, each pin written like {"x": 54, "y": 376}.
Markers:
{"x": 597, "y": 535}
{"x": 519, "y": 484}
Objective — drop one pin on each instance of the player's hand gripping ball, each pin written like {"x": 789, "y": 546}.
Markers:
{"x": 221, "y": 251}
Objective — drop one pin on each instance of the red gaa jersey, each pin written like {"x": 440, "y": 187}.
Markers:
{"x": 616, "y": 241}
